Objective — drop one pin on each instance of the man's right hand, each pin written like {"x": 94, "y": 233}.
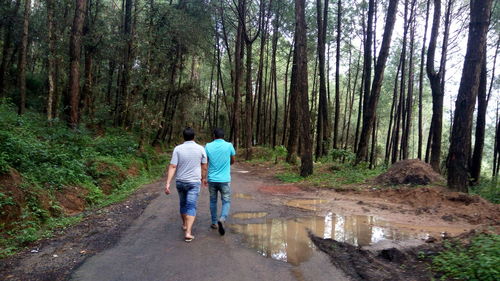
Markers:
{"x": 167, "y": 188}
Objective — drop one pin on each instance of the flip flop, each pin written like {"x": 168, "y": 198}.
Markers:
{"x": 188, "y": 239}
{"x": 213, "y": 226}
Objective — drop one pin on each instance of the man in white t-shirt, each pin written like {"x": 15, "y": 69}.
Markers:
{"x": 189, "y": 165}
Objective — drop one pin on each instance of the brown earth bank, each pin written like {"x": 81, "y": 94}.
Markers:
{"x": 55, "y": 258}
{"x": 393, "y": 263}
{"x": 418, "y": 204}
{"x": 407, "y": 206}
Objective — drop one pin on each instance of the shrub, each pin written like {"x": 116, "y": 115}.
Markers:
{"x": 479, "y": 260}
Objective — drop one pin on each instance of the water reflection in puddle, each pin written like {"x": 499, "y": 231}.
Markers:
{"x": 306, "y": 204}
{"x": 249, "y": 215}
{"x": 243, "y": 196}
{"x": 287, "y": 240}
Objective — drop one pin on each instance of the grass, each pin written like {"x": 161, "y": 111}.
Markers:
{"x": 30, "y": 232}
{"x": 50, "y": 157}
{"x": 489, "y": 189}
{"x": 329, "y": 172}
{"x": 331, "y": 175}
{"x": 477, "y": 261}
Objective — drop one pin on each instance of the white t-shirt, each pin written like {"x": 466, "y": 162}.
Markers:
{"x": 188, "y": 157}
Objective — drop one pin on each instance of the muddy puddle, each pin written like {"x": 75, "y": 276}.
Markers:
{"x": 249, "y": 215}
{"x": 242, "y": 196}
{"x": 306, "y": 204}
{"x": 287, "y": 239}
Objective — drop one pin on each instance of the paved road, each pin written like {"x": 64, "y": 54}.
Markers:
{"x": 153, "y": 247}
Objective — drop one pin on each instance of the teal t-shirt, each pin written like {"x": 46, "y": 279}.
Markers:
{"x": 219, "y": 154}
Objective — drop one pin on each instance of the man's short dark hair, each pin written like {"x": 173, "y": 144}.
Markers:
{"x": 218, "y": 133}
{"x": 188, "y": 134}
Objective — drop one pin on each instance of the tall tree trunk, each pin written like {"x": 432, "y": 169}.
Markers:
{"x": 23, "y": 53}
{"x": 286, "y": 102}
{"x": 351, "y": 105}
{"x": 274, "y": 77}
{"x": 72, "y": 97}
{"x": 496, "y": 146}
{"x": 390, "y": 132}
{"x": 337, "y": 74}
{"x": 50, "y": 59}
{"x": 482, "y": 99}
{"x": 248, "y": 103}
{"x": 370, "y": 109}
{"x": 421, "y": 85}
{"x": 400, "y": 122}
{"x": 437, "y": 96}
{"x": 7, "y": 45}
{"x": 409, "y": 97}
{"x": 323, "y": 118}
{"x": 437, "y": 83}
{"x": 367, "y": 73}
{"x": 306, "y": 167}
{"x": 459, "y": 153}
{"x": 238, "y": 77}
{"x": 123, "y": 102}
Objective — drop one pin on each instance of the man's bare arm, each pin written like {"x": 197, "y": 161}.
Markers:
{"x": 232, "y": 159}
{"x": 171, "y": 172}
{"x": 204, "y": 168}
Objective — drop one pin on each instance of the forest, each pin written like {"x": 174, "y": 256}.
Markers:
{"x": 384, "y": 80}
{"x": 91, "y": 90}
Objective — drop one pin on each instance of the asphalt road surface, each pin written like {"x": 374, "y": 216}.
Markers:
{"x": 153, "y": 247}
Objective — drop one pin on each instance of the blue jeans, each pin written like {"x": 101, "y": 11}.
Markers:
{"x": 188, "y": 196}
{"x": 225, "y": 193}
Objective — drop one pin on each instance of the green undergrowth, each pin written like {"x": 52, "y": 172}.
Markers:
{"x": 43, "y": 163}
{"x": 331, "y": 175}
{"x": 477, "y": 260}
{"x": 335, "y": 171}
{"x": 489, "y": 189}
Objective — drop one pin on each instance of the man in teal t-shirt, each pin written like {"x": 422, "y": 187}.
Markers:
{"x": 220, "y": 154}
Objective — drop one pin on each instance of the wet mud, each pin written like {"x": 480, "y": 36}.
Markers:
{"x": 391, "y": 264}
{"x": 249, "y": 215}
{"x": 288, "y": 239}
{"x": 242, "y": 196}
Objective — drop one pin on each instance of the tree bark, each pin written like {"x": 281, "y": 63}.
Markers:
{"x": 496, "y": 146}
{"x": 23, "y": 53}
{"x": 409, "y": 96}
{"x": 458, "y": 158}
{"x": 7, "y": 45}
{"x": 322, "y": 132}
{"x": 50, "y": 59}
{"x": 306, "y": 167}
{"x": 367, "y": 73}
{"x": 370, "y": 109}
{"x": 337, "y": 75}
{"x": 421, "y": 85}
{"x": 122, "y": 114}
{"x": 72, "y": 97}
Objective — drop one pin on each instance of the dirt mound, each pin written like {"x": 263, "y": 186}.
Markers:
{"x": 434, "y": 200}
{"x": 386, "y": 265}
{"x": 12, "y": 197}
{"x": 72, "y": 199}
{"x": 412, "y": 171}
